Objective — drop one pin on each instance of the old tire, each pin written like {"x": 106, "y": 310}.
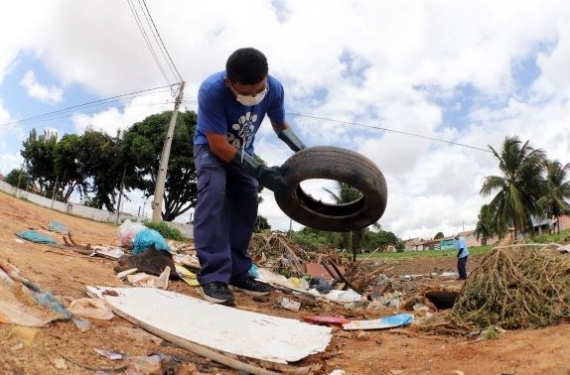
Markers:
{"x": 333, "y": 163}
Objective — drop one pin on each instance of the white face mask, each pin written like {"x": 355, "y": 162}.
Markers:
{"x": 249, "y": 100}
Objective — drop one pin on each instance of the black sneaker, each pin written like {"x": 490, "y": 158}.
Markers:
{"x": 253, "y": 287}
{"x": 217, "y": 292}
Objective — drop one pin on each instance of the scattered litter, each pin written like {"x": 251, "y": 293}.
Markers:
{"x": 111, "y": 354}
{"x": 15, "y": 306}
{"x": 288, "y": 304}
{"x": 123, "y": 274}
{"x": 186, "y": 275}
{"x": 19, "y": 240}
{"x": 190, "y": 260}
{"x": 147, "y": 238}
{"x": 320, "y": 284}
{"x": 33, "y": 236}
{"x": 108, "y": 251}
{"x": 272, "y": 278}
{"x": 54, "y": 226}
{"x": 145, "y": 280}
{"x": 90, "y": 308}
{"x": 320, "y": 319}
{"x": 338, "y": 372}
{"x": 127, "y": 231}
{"x": 343, "y": 296}
{"x": 394, "y": 321}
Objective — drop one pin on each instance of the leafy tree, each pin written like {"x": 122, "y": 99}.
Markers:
{"x": 39, "y": 153}
{"x": 556, "y": 191}
{"x": 18, "y": 178}
{"x": 261, "y": 224}
{"x": 314, "y": 239}
{"x": 103, "y": 163}
{"x": 67, "y": 169}
{"x": 382, "y": 239}
{"x": 438, "y": 235}
{"x": 143, "y": 143}
{"x": 519, "y": 187}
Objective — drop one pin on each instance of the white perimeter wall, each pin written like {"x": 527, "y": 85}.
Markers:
{"x": 83, "y": 211}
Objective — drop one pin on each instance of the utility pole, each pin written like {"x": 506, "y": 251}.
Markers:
{"x": 20, "y": 177}
{"x": 121, "y": 195}
{"x": 161, "y": 178}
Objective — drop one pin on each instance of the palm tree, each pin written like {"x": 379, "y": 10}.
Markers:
{"x": 556, "y": 191}
{"x": 354, "y": 239}
{"x": 519, "y": 187}
{"x": 485, "y": 228}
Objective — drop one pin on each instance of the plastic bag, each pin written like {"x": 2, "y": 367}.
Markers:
{"x": 127, "y": 232}
{"x": 146, "y": 238}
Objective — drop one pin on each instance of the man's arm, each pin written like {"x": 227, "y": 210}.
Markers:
{"x": 286, "y": 134}
{"x": 459, "y": 251}
{"x": 269, "y": 177}
{"x": 221, "y": 147}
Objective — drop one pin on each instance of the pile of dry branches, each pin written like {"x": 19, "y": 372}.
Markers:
{"x": 517, "y": 286}
{"x": 277, "y": 253}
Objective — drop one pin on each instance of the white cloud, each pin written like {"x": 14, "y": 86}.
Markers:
{"x": 49, "y": 94}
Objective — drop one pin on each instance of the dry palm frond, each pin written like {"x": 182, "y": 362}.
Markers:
{"x": 517, "y": 286}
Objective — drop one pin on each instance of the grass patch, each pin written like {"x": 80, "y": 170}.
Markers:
{"x": 165, "y": 230}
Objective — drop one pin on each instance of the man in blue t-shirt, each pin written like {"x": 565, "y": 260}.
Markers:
{"x": 231, "y": 106}
{"x": 462, "y": 255}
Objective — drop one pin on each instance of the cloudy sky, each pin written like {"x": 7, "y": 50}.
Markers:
{"x": 422, "y": 88}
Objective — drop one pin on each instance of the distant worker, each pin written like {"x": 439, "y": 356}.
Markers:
{"x": 462, "y": 255}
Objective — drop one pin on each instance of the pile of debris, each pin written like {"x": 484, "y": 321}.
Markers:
{"x": 277, "y": 253}
{"x": 517, "y": 286}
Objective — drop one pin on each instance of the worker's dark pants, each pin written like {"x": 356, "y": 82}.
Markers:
{"x": 223, "y": 219}
{"x": 462, "y": 267}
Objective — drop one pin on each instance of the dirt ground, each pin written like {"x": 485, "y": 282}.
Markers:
{"x": 66, "y": 274}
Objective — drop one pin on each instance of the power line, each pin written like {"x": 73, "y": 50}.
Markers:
{"x": 61, "y": 113}
{"x": 161, "y": 43}
{"x": 157, "y": 40}
{"x": 146, "y": 39}
{"x": 389, "y": 130}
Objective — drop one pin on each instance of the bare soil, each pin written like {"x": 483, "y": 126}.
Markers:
{"x": 65, "y": 274}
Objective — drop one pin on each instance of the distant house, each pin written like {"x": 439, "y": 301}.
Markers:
{"x": 414, "y": 244}
{"x": 2, "y": 178}
{"x": 564, "y": 222}
{"x": 551, "y": 225}
{"x": 447, "y": 243}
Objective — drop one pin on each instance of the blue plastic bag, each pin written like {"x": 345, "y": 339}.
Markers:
{"x": 146, "y": 238}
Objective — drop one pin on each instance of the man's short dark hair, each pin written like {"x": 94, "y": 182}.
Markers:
{"x": 247, "y": 66}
